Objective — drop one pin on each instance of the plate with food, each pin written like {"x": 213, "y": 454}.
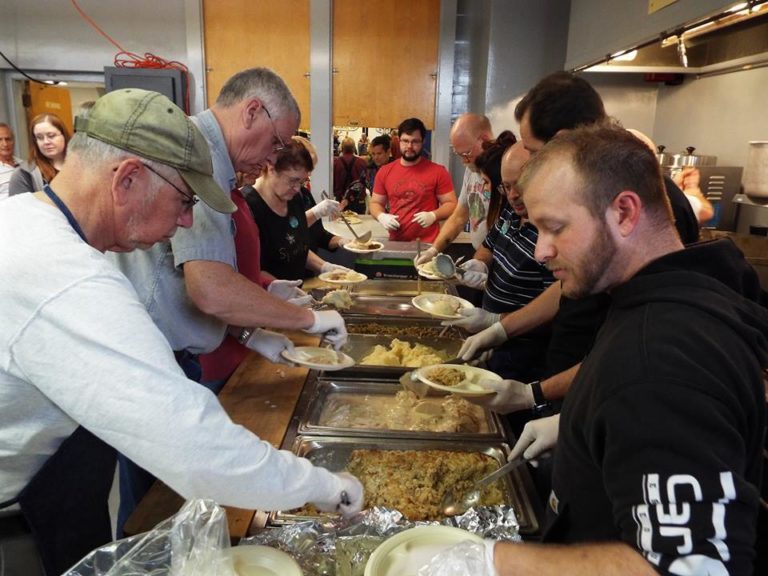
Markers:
{"x": 441, "y": 305}
{"x": 342, "y": 277}
{"x": 318, "y": 358}
{"x": 363, "y": 247}
{"x": 456, "y": 378}
{"x": 427, "y": 270}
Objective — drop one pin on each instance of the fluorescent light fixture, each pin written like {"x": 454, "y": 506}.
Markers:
{"x": 625, "y": 56}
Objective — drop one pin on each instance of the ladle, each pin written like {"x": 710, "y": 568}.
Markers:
{"x": 446, "y": 267}
{"x": 453, "y": 506}
{"x": 362, "y": 238}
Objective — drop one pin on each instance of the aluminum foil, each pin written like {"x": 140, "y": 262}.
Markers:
{"x": 342, "y": 547}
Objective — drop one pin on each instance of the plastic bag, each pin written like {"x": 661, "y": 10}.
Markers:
{"x": 465, "y": 559}
{"x": 192, "y": 543}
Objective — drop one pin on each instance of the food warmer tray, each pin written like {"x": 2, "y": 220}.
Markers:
{"x": 403, "y": 328}
{"x": 358, "y": 346}
{"x": 403, "y": 288}
{"x": 319, "y": 394}
{"x": 333, "y": 453}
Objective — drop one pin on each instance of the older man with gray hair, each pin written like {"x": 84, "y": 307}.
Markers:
{"x": 85, "y": 371}
{"x": 8, "y": 161}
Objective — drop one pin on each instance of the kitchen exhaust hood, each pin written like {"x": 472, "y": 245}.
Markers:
{"x": 734, "y": 40}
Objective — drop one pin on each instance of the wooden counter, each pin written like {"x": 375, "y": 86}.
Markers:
{"x": 260, "y": 396}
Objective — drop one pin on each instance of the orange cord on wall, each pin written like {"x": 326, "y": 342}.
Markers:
{"x": 126, "y": 59}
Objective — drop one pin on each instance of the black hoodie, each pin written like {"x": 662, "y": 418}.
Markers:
{"x": 661, "y": 434}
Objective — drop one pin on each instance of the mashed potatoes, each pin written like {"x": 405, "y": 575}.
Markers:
{"x": 339, "y": 299}
{"x": 445, "y": 306}
{"x": 400, "y": 353}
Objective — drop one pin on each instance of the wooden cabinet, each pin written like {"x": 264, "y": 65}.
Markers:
{"x": 242, "y": 34}
{"x": 385, "y": 54}
{"x": 385, "y": 57}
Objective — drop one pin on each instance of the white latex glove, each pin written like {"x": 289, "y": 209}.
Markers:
{"x": 493, "y": 336}
{"x": 425, "y": 219}
{"x": 326, "y": 208}
{"x": 537, "y": 437}
{"x": 341, "y": 241}
{"x": 474, "y": 319}
{"x": 389, "y": 221}
{"x": 270, "y": 345}
{"x": 475, "y": 274}
{"x": 510, "y": 396}
{"x": 286, "y": 289}
{"x": 329, "y": 267}
{"x": 331, "y": 325}
{"x": 466, "y": 557}
{"x": 425, "y": 256}
{"x": 302, "y": 300}
{"x": 348, "y": 500}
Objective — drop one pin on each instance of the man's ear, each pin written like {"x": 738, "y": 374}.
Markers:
{"x": 626, "y": 208}
{"x": 126, "y": 181}
{"x": 250, "y": 109}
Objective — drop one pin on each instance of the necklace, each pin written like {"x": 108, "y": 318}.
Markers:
{"x": 66, "y": 211}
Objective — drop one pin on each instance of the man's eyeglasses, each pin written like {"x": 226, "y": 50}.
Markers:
{"x": 189, "y": 200}
{"x": 466, "y": 155}
{"x": 280, "y": 144}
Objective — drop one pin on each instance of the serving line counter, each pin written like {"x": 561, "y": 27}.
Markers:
{"x": 278, "y": 403}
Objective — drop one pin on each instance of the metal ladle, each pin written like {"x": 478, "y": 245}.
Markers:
{"x": 446, "y": 267}
{"x": 453, "y": 506}
{"x": 362, "y": 238}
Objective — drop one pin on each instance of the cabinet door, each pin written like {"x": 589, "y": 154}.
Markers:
{"x": 242, "y": 34}
{"x": 385, "y": 58}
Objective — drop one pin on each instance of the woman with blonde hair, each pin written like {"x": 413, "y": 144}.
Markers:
{"x": 48, "y": 139}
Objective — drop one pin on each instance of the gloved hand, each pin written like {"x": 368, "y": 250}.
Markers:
{"x": 425, "y": 256}
{"x": 493, "y": 336}
{"x": 475, "y": 274}
{"x": 326, "y": 208}
{"x": 510, "y": 396}
{"x": 475, "y": 319}
{"x": 340, "y": 241}
{"x": 270, "y": 345}
{"x": 537, "y": 437}
{"x": 329, "y": 267}
{"x": 301, "y": 300}
{"x": 348, "y": 500}
{"x": 389, "y": 221}
{"x": 425, "y": 219}
{"x": 466, "y": 557}
{"x": 331, "y": 325}
{"x": 286, "y": 289}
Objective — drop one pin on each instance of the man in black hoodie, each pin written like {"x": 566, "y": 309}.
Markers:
{"x": 660, "y": 437}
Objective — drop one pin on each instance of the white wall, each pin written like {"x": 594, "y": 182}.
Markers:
{"x": 628, "y": 98}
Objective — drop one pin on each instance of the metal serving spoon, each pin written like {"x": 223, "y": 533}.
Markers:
{"x": 362, "y": 238}
{"x": 446, "y": 267}
{"x": 453, "y": 506}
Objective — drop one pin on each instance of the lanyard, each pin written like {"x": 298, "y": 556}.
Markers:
{"x": 63, "y": 207}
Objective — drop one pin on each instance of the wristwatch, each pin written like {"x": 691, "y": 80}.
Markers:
{"x": 541, "y": 405}
{"x": 245, "y": 333}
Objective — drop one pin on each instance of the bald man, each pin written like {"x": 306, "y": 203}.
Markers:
{"x": 467, "y": 136}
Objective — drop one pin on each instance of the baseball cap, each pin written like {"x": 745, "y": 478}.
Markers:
{"x": 150, "y": 125}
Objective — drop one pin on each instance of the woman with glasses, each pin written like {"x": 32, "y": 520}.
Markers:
{"x": 48, "y": 139}
{"x": 279, "y": 211}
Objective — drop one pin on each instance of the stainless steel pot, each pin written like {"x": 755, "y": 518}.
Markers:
{"x": 691, "y": 159}
{"x": 664, "y": 158}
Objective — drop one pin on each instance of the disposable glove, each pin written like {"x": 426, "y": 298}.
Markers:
{"x": 425, "y": 256}
{"x": 302, "y": 301}
{"x": 329, "y": 267}
{"x": 510, "y": 396}
{"x": 474, "y": 319}
{"x": 475, "y": 274}
{"x": 537, "y": 437}
{"x": 349, "y": 498}
{"x": 424, "y": 219}
{"x": 389, "y": 221}
{"x": 340, "y": 241}
{"x": 326, "y": 208}
{"x": 331, "y": 325}
{"x": 493, "y": 336}
{"x": 466, "y": 557}
{"x": 286, "y": 289}
{"x": 270, "y": 345}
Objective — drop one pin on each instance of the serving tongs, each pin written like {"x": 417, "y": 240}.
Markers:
{"x": 362, "y": 238}
{"x": 452, "y": 505}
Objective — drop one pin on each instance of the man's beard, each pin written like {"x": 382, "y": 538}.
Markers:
{"x": 592, "y": 267}
{"x": 411, "y": 156}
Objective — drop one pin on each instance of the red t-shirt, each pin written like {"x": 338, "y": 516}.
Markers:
{"x": 412, "y": 189}
{"x": 222, "y": 362}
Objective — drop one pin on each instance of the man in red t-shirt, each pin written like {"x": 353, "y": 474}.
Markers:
{"x": 412, "y": 194}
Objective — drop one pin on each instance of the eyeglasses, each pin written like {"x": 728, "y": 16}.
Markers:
{"x": 189, "y": 200}
{"x": 280, "y": 145}
{"x": 466, "y": 155}
{"x": 411, "y": 142}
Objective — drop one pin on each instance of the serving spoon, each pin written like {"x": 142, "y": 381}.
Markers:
{"x": 446, "y": 267}
{"x": 362, "y": 238}
{"x": 453, "y": 506}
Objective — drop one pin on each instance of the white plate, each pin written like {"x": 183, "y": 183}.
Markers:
{"x": 425, "y": 272}
{"x": 468, "y": 387}
{"x": 375, "y": 247}
{"x": 404, "y": 553}
{"x": 353, "y": 277}
{"x": 352, "y": 218}
{"x": 262, "y": 561}
{"x": 426, "y": 303}
{"x": 318, "y": 358}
